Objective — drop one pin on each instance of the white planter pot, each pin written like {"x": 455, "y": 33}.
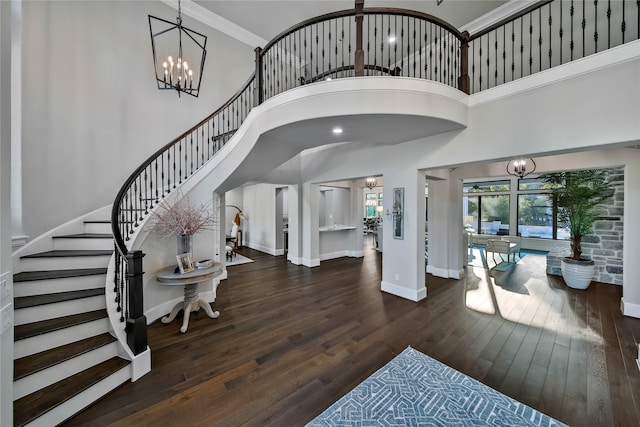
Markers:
{"x": 578, "y": 274}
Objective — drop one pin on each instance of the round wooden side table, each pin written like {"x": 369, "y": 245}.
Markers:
{"x": 190, "y": 281}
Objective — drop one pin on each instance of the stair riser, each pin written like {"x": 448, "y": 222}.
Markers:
{"x": 46, "y": 377}
{"x": 29, "y": 346}
{"x": 95, "y": 227}
{"x": 82, "y": 400}
{"x": 65, "y": 243}
{"x": 63, "y": 263}
{"x": 23, "y": 316}
{"x": 48, "y": 286}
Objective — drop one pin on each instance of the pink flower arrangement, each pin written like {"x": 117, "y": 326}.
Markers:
{"x": 183, "y": 218}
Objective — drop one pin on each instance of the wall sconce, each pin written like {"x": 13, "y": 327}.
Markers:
{"x": 371, "y": 182}
{"x": 519, "y": 167}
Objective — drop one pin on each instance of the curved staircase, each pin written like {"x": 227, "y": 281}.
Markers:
{"x": 64, "y": 355}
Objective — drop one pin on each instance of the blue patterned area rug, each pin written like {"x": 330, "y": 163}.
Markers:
{"x": 415, "y": 390}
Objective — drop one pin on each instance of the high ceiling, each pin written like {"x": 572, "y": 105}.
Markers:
{"x": 266, "y": 18}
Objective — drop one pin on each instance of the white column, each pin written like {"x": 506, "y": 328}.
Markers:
{"x": 357, "y": 207}
{"x": 403, "y": 259}
{"x": 631, "y": 249}
{"x": 439, "y": 212}
{"x": 18, "y": 238}
{"x": 310, "y": 221}
{"x": 294, "y": 253}
{"x": 6, "y": 339}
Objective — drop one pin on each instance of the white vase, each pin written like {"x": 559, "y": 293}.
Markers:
{"x": 577, "y": 274}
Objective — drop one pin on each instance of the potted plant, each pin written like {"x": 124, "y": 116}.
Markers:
{"x": 579, "y": 195}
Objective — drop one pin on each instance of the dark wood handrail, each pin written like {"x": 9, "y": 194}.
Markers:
{"x": 367, "y": 11}
{"x": 415, "y": 14}
{"x": 308, "y": 22}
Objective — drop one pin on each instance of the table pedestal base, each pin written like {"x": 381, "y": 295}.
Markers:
{"x": 191, "y": 303}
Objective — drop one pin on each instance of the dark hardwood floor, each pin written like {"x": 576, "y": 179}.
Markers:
{"x": 291, "y": 340}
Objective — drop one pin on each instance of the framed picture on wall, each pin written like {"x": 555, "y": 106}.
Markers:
{"x": 398, "y": 209}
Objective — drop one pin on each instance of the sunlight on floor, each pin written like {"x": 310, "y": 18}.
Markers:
{"x": 512, "y": 293}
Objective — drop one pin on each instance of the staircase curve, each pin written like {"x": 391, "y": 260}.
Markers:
{"x": 311, "y": 77}
{"x": 304, "y": 80}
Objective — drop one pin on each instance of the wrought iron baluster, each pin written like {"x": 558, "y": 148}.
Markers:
{"x": 595, "y": 25}
{"x": 609, "y": 24}
{"x": 495, "y": 53}
{"x": 584, "y": 25}
{"x": 488, "y": 60}
{"x": 540, "y": 39}
{"x": 550, "y": 40}
{"x": 560, "y": 32}
{"x": 623, "y": 24}
{"x": 415, "y": 45}
{"x": 572, "y": 44}
{"x": 154, "y": 184}
{"x": 530, "y": 44}
{"x": 146, "y": 201}
{"x": 180, "y": 160}
{"x": 513, "y": 53}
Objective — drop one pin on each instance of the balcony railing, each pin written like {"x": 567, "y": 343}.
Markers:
{"x": 363, "y": 42}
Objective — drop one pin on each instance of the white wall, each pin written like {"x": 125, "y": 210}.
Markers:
{"x": 235, "y": 198}
{"x": 6, "y": 339}
{"x": 91, "y": 109}
{"x": 259, "y": 203}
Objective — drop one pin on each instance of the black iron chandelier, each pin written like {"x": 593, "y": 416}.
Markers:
{"x": 178, "y": 55}
{"x": 520, "y": 167}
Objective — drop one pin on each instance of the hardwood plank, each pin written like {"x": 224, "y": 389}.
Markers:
{"x": 291, "y": 340}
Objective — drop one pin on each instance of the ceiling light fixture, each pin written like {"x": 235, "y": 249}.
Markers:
{"x": 371, "y": 182}
{"x": 172, "y": 45}
{"x": 519, "y": 167}
{"x": 337, "y": 131}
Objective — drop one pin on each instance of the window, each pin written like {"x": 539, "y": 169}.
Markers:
{"x": 536, "y": 213}
{"x": 535, "y": 216}
{"x": 489, "y": 202}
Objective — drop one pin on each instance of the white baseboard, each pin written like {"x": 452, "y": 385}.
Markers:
{"x": 410, "y": 294}
{"x": 294, "y": 259}
{"x": 310, "y": 262}
{"x": 438, "y": 272}
{"x": 456, "y": 274}
{"x": 629, "y": 309}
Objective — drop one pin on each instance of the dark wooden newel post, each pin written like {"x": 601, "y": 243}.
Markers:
{"x": 136, "y": 320}
{"x": 463, "y": 80}
{"x": 258, "y": 93}
{"x": 359, "y": 58}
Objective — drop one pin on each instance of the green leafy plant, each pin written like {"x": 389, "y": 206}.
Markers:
{"x": 579, "y": 195}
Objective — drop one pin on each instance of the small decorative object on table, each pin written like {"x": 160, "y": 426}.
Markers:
{"x": 205, "y": 263}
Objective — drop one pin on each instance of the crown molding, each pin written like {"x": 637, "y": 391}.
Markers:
{"x": 217, "y": 22}
{"x": 504, "y": 11}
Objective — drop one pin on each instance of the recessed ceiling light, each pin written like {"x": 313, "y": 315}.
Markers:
{"x": 337, "y": 131}
{"x": 392, "y": 39}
